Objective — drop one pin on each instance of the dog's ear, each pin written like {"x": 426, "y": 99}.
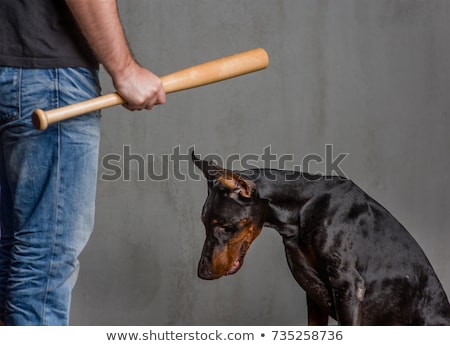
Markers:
{"x": 229, "y": 179}
{"x": 209, "y": 169}
{"x": 236, "y": 183}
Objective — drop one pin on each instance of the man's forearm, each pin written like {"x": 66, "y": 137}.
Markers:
{"x": 100, "y": 23}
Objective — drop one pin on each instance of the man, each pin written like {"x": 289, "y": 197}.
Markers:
{"x": 49, "y": 56}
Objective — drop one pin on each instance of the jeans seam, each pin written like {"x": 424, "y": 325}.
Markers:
{"x": 57, "y": 201}
{"x": 19, "y": 93}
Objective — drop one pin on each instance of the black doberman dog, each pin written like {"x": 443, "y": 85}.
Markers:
{"x": 355, "y": 261}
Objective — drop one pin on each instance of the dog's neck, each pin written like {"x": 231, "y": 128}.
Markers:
{"x": 283, "y": 194}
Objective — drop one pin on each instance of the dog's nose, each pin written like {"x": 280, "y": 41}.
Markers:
{"x": 204, "y": 270}
{"x": 205, "y": 276}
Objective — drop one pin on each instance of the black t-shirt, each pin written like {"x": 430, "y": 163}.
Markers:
{"x": 41, "y": 34}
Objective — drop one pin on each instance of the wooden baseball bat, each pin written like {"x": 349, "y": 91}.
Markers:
{"x": 195, "y": 76}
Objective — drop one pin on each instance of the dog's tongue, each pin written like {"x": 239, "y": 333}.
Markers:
{"x": 234, "y": 267}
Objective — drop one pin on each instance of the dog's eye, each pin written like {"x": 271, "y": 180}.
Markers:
{"x": 228, "y": 228}
{"x": 223, "y": 225}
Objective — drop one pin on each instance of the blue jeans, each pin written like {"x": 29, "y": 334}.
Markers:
{"x": 48, "y": 182}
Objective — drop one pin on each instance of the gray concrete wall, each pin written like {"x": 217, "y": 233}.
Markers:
{"x": 370, "y": 78}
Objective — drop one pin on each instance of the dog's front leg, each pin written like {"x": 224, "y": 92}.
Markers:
{"x": 316, "y": 315}
{"x": 348, "y": 294}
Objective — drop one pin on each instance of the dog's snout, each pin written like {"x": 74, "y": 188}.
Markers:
{"x": 204, "y": 269}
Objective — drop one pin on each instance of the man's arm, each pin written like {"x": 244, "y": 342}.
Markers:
{"x": 100, "y": 23}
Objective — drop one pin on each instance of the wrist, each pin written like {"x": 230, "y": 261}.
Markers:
{"x": 125, "y": 73}
{"x": 120, "y": 68}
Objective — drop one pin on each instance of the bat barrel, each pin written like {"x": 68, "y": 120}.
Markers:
{"x": 216, "y": 70}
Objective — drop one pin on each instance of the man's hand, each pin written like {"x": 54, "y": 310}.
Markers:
{"x": 140, "y": 88}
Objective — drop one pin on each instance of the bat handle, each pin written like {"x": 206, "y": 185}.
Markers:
{"x": 41, "y": 118}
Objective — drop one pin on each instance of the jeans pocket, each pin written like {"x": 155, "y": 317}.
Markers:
{"x": 9, "y": 94}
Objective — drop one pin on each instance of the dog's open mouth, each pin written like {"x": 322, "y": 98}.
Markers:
{"x": 237, "y": 264}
